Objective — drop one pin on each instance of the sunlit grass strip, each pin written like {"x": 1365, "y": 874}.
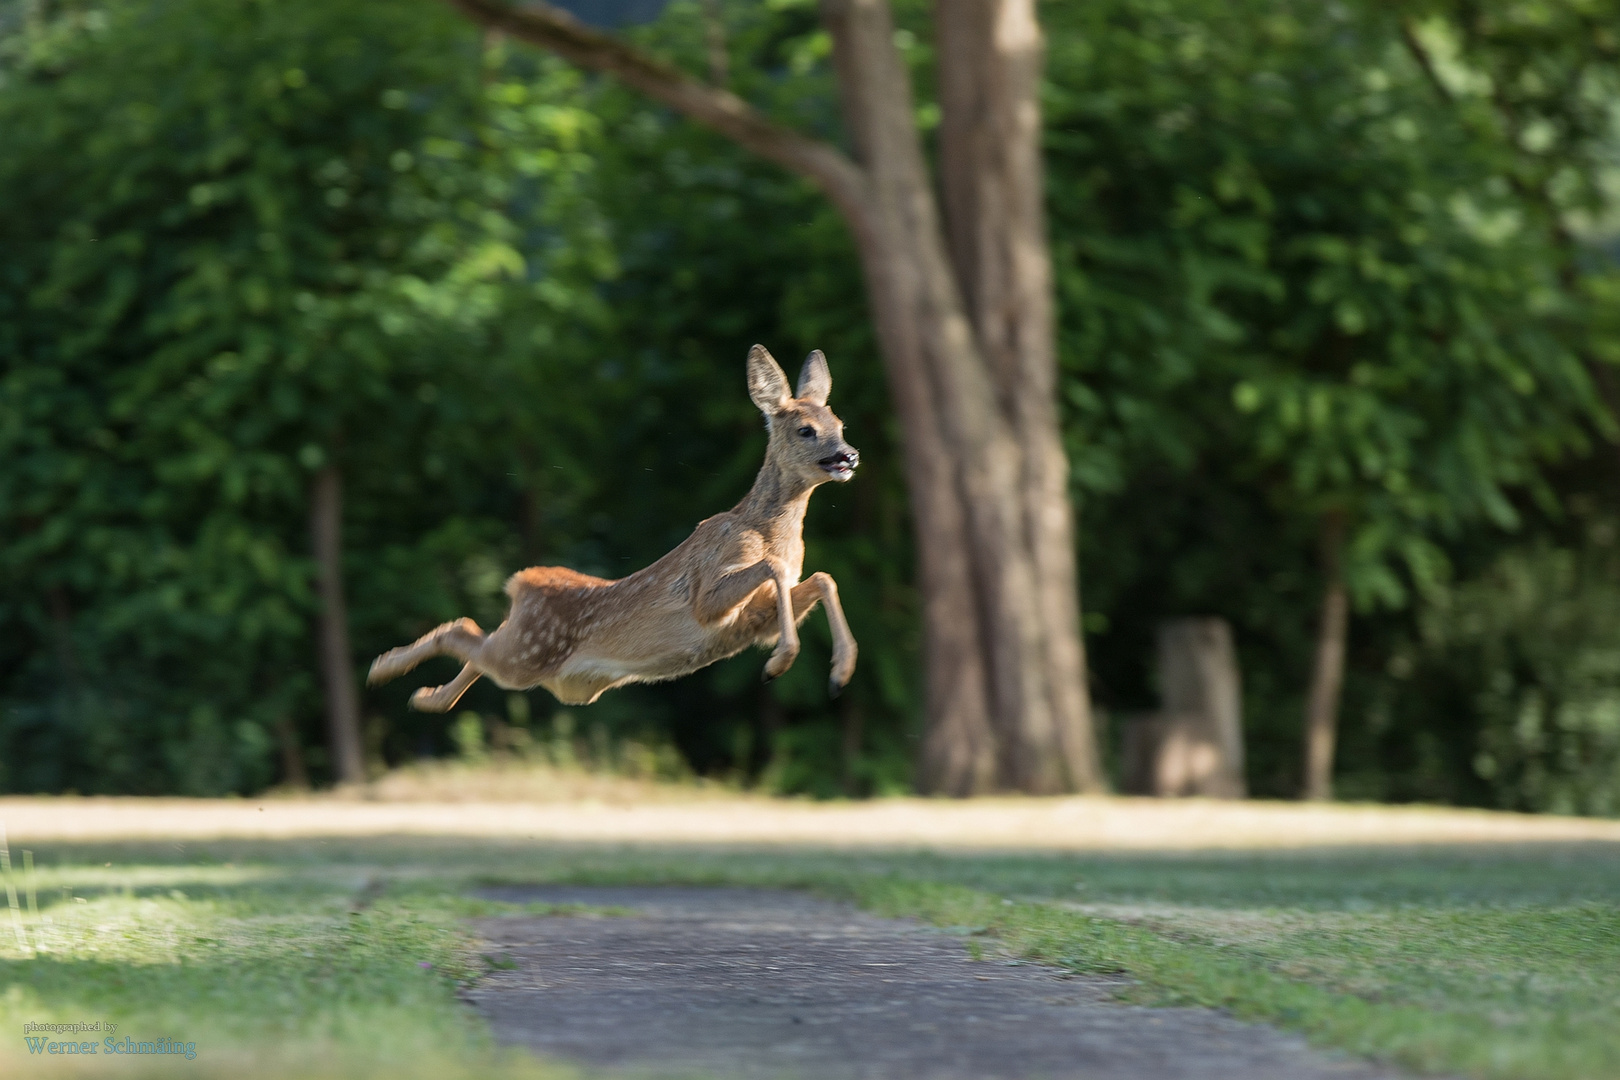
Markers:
{"x": 28, "y": 882}
{"x": 288, "y": 977}
{"x": 11, "y": 891}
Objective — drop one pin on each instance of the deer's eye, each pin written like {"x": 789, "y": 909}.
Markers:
{"x": 807, "y": 432}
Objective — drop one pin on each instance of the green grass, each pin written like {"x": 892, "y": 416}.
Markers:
{"x": 275, "y": 965}
{"x": 343, "y": 958}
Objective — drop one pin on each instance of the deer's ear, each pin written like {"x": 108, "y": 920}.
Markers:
{"x": 766, "y": 383}
{"x": 815, "y": 381}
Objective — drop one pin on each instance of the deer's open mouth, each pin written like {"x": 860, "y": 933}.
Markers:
{"x": 841, "y": 466}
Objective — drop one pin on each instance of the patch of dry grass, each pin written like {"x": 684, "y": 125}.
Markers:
{"x": 521, "y": 780}
{"x": 490, "y": 801}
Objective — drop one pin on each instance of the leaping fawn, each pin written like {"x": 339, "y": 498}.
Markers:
{"x": 731, "y": 584}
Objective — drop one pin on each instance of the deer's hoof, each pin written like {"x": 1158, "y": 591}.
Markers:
{"x": 779, "y": 663}
{"x": 843, "y": 670}
{"x": 426, "y": 699}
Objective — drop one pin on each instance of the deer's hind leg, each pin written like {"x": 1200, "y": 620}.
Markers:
{"x": 444, "y": 698}
{"x": 461, "y": 639}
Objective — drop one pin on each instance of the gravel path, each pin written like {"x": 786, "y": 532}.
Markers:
{"x": 743, "y": 984}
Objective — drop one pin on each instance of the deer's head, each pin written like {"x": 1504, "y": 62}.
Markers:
{"x": 806, "y": 439}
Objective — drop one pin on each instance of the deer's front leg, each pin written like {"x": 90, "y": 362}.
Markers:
{"x": 821, "y": 586}
{"x": 730, "y": 591}
{"x": 787, "y": 645}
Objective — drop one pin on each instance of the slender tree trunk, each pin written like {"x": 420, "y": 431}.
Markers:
{"x": 1327, "y": 674}
{"x": 293, "y": 773}
{"x": 852, "y": 720}
{"x": 991, "y": 56}
{"x": 76, "y": 690}
{"x": 767, "y": 725}
{"x": 337, "y": 669}
{"x": 67, "y": 657}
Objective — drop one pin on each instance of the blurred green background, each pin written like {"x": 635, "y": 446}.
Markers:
{"x": 1307, "y": 255}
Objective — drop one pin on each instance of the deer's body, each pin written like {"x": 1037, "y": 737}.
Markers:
{"x": 731, "y": 584}
{"x": 577, "y": 635}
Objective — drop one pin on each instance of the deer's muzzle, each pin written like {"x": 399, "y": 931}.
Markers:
{"x": 841, "y": 466}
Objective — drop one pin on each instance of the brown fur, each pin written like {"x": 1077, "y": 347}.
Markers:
{"x": 719, "y": 592}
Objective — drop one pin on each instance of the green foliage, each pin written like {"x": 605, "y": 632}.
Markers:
{"x": 1536, "y": 642}
{"x": 242, "y": 241}
{"x": 1536, "y": 84}
{"x": 1294, "y": 281}
{"x": 1338, "y": 262}
{"x": 284, "y": 237}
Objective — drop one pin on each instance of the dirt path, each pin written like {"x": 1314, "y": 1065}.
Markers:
{"x": 738, "y": 983}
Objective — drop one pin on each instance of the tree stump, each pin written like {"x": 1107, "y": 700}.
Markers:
{"x": 1194, "y": 744}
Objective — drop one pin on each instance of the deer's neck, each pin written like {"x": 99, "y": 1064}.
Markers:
{"x": 776, "y": 504}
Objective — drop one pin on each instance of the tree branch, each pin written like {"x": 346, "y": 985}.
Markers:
{"x": 1419, "y": 53}
{"x": 554, "y": 30}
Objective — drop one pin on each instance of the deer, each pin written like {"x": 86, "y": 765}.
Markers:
{"x": 733, "y": 583}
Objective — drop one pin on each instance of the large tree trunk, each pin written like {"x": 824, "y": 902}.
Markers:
{"x": 337, "y": 668}
{"x": 996, "y": 438}
{"x": 929, "y": 348}
{"x": 1005, "y": 679}
{"x": 990, "y": 61}
{"x": 1327, "y": 674}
